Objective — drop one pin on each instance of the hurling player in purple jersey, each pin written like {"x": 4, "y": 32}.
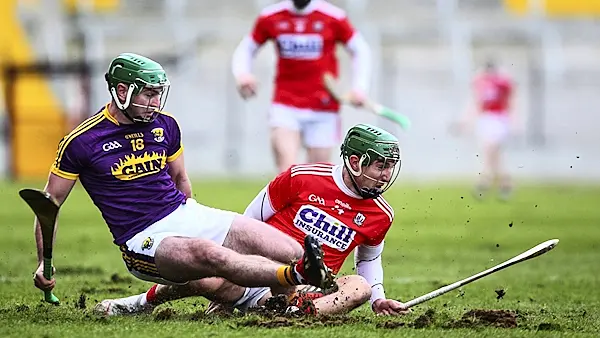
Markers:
{"x": 129, "y": 159}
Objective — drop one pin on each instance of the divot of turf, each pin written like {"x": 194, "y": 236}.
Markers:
{"x": 481, "y": 317}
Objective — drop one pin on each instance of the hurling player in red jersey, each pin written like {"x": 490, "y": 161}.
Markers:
{"x": 303, "y": 113}
{"x": 342, "y": 206}
{"x": 492, "y": 114}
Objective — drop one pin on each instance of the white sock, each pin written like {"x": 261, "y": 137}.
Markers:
{"x": 143, "y": 300}
{"x": 250, "y": 298}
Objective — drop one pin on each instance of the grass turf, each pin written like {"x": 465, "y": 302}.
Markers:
{"x": 441, "y": 234}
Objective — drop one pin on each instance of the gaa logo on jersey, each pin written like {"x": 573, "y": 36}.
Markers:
{"x": 329, "y": 230}
{"x": 112, "y": 145}
{"x": 300, "y": 46}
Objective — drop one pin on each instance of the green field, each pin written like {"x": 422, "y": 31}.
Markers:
{"x": 441, "y": 234}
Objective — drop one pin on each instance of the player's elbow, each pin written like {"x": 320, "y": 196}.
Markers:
{"x": 58, "y": 187}
{"x": 242, "y": 56}
{"x": 359, "y": 46}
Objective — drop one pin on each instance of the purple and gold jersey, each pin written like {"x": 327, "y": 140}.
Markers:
{"x": 124, "y": 169}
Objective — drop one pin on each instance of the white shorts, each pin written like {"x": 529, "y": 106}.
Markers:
{"x": 319, "y": 129}
{"x": 189, "y": 220}
{"x": 493, "y": 128}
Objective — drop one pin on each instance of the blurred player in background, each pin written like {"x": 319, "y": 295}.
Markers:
{"x": 339, "y": 204}
{"x": 305, "y": 33}
{"x": 492, "y": 114}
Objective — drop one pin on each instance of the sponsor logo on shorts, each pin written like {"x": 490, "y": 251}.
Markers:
{"x": 328, "y": 229}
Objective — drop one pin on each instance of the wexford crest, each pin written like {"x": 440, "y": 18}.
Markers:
{"x": 159, "y": 134}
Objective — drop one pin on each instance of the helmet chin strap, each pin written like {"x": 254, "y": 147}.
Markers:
{"x": 124, "y": 107}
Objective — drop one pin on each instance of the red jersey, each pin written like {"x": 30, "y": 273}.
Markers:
{"x": 312, "y": 199}
{"x": 305, "y": 45}
{"x": 493, "y": 92}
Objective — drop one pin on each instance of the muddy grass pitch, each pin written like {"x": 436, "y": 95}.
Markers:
{"x": 440, "y": 235}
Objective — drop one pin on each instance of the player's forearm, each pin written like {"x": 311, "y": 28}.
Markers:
{"x": 39, "y": 241}
{"x": 59, "y": 188}
{"x": 368, "y": 265}
{"x": 184, "y": 185}
{"x": 241, "y": 62}
{"x": 361, "y": 62}
{"x": 37, "y": 229}
{"x": 372, "y": 271}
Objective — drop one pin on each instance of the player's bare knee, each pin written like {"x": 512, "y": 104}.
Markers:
{"x": 181, "y": 259}
{"x": 365, "y": 290}
{"x": 216, "y": 258}
{"x": 357, "y": 288}
{"x": 206, "y": 256}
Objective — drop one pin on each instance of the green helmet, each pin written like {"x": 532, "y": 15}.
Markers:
{"x": 138, "y": 72}
{"x": 371, "y": 144}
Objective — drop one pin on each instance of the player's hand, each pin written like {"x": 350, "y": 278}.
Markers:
{"x": 246, "y": 85}
{"x": 40, "y": 281}
{"x": 389, "y": 307}
{"x": 357, "y": 98}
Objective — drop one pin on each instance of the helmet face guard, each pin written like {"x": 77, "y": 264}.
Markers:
{"x": 376, "y": 149}
{"x": 137, "y": 72}
{"x": 389, "y": 169}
